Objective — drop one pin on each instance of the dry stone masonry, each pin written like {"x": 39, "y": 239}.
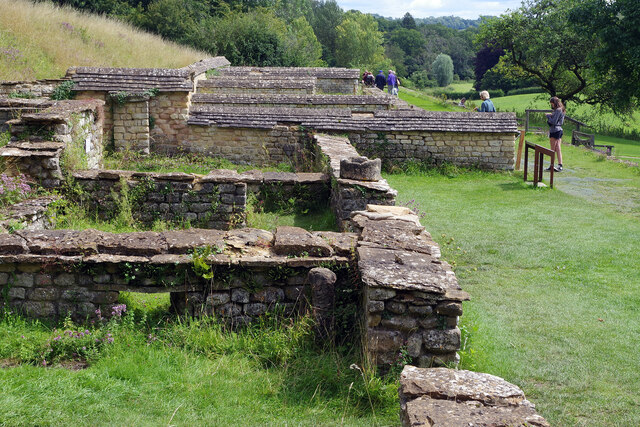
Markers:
{"x": 451, "y": 398}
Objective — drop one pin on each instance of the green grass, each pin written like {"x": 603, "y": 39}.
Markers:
{"x": 192, "y": 372}
{"x": 554, "y": 280}
{"x": 427, "y": 102}
{"x": 187, "y": 163}
{"x": 40, "y": 40}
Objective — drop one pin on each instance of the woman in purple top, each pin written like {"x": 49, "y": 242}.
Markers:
{"x": 392, "y": 83}
{"x": 555, "y": 121}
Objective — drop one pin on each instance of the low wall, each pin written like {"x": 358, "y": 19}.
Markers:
{"x": 488, "y": 150}
{"x": 26, "y": 215}
{"x": 207, "y": 202}
{"x": 215, "y": 201}
{"x": 349, "y": 195}
{"x": 246, "y": 145}
{"x": 49, "y": 274}
{"x": 33, "y": 89}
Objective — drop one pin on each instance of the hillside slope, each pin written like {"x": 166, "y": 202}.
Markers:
{"x": 42, "y": 40}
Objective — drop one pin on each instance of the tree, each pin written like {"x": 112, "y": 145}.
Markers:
{"x": 408, "y": 22}
{"x": 325, "y": 17}
{"x": 541, "y": 43}
{"x": 358, "y": 42}
{"x": 442, "y": 69}
{"x": 301, "y": 47}
{"x": 615, "y": 58}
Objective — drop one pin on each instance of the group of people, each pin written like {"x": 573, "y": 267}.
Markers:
{"x": 380, "y": 81}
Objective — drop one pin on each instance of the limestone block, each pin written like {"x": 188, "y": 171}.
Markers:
{"x": 442, "y": 341}
{"x": 240, "y": 295}
{"x": 43, "y": 294}
{"x": 24, "y": 280}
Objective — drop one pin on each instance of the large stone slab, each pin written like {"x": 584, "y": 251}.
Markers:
{"x": 399, "y": 269}
{"x": 396, "y": 234}
{"x": 139, "y": 243}
{"x": 12, "y": 244}
{"x": 184, "y": 241}
{"x": 425, "y": 412}
{"x": 297, "y": 241}
{"x": 342, "y": 243}
{"x": 448, "y": 397}
{"x": 62, "y": 242}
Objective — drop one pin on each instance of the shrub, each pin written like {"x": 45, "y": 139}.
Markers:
{"x": 525, "y": 90}
{"x": 63, "y": 91}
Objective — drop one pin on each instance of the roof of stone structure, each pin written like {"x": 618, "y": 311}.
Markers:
{"x": 292, "y": 99}
{"x": 132, "y": 79}
{"x": 60, "y": 111}
{"x": 207, "y": 64}
{"x": 141, "y": 79}
{"x": 343, "y": 120}
{"x": 258, "y": 82}
{"x": 319, "y": 72}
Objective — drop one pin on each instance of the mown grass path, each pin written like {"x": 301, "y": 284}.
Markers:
{"x": 554, "y": 280}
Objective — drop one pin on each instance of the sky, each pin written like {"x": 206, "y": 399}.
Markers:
{"x": 468, "y": 9}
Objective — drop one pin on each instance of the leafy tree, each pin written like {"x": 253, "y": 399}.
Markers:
{"x": 325, "y": 17}
{"x": 615, "y": 58}
{"x": 255, "y": 38}
{"x": 442, "y": 69}
{"x": 541, "y": 43}
{"x": 358, "y": 43}
{"x": 301, "y": 47}
{"x": 408, "y": 22}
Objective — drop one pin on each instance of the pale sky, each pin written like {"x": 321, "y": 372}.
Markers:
{"x": 468, "y": 9}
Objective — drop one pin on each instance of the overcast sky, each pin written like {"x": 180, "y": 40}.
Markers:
{"x": 468, "y": 9}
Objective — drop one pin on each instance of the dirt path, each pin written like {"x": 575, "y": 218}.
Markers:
{"x": 620, "y": 194}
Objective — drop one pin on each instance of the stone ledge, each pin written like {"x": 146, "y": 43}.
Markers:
{"x": 447, "y": 397}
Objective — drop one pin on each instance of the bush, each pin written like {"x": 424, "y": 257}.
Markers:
{"x": 421, "y": 80}
{"x": 63, "y": 91}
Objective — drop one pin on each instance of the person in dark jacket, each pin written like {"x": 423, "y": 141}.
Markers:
{"x": 555, "y": 121}
{"x": 381, "y": 80}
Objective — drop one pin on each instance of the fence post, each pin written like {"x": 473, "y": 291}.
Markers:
{"x": 519, "y": 156}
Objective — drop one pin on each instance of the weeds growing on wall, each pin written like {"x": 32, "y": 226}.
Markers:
{"x": 63, "y": 91}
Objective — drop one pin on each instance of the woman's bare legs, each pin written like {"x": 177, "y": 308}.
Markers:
{"x": 556, "y": 145}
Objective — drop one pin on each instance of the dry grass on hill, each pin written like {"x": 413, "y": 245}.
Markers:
{"x": 42, "y": 40}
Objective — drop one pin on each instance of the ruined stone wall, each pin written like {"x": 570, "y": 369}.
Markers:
{"x": 107, "y": 120}
{"x": 63, "y": 133}
{"x": 207, "y": 202}
{"x": 487, "y": 150}
{"x": 35, "y": 89}
{"x": 49, "y": 274}
{"x": 246, "y": 145}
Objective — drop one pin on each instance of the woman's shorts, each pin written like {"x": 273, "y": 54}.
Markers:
{"x": 555, "y": 135}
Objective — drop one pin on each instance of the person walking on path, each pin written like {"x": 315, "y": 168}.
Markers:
{"x": 392, "y": 83}
{"x": 555, "y": 121}
{"x": 381, "y": 80}
{"x": 487, "y": 104}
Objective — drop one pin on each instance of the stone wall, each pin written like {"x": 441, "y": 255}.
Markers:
{"x": 67, "y": 132}
{"x": 257, "y": 85}
{"x": 215, "y": 201}
{"x": 168, "y": 113}
{"x": 488, "y": 150}
{"x": 49, "y": 274}
{"x": 28, "y": 214}
{"x": 208, "y": 202}
{"x": 349, "y": 195}
{"x": 131, "y": 124}
{"x": 34, "y": 89}
{"x": 412, "y": 299}
{"x": 246, "y": 145}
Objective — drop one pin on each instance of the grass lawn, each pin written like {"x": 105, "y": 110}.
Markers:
{"x": 554, "y": 278}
